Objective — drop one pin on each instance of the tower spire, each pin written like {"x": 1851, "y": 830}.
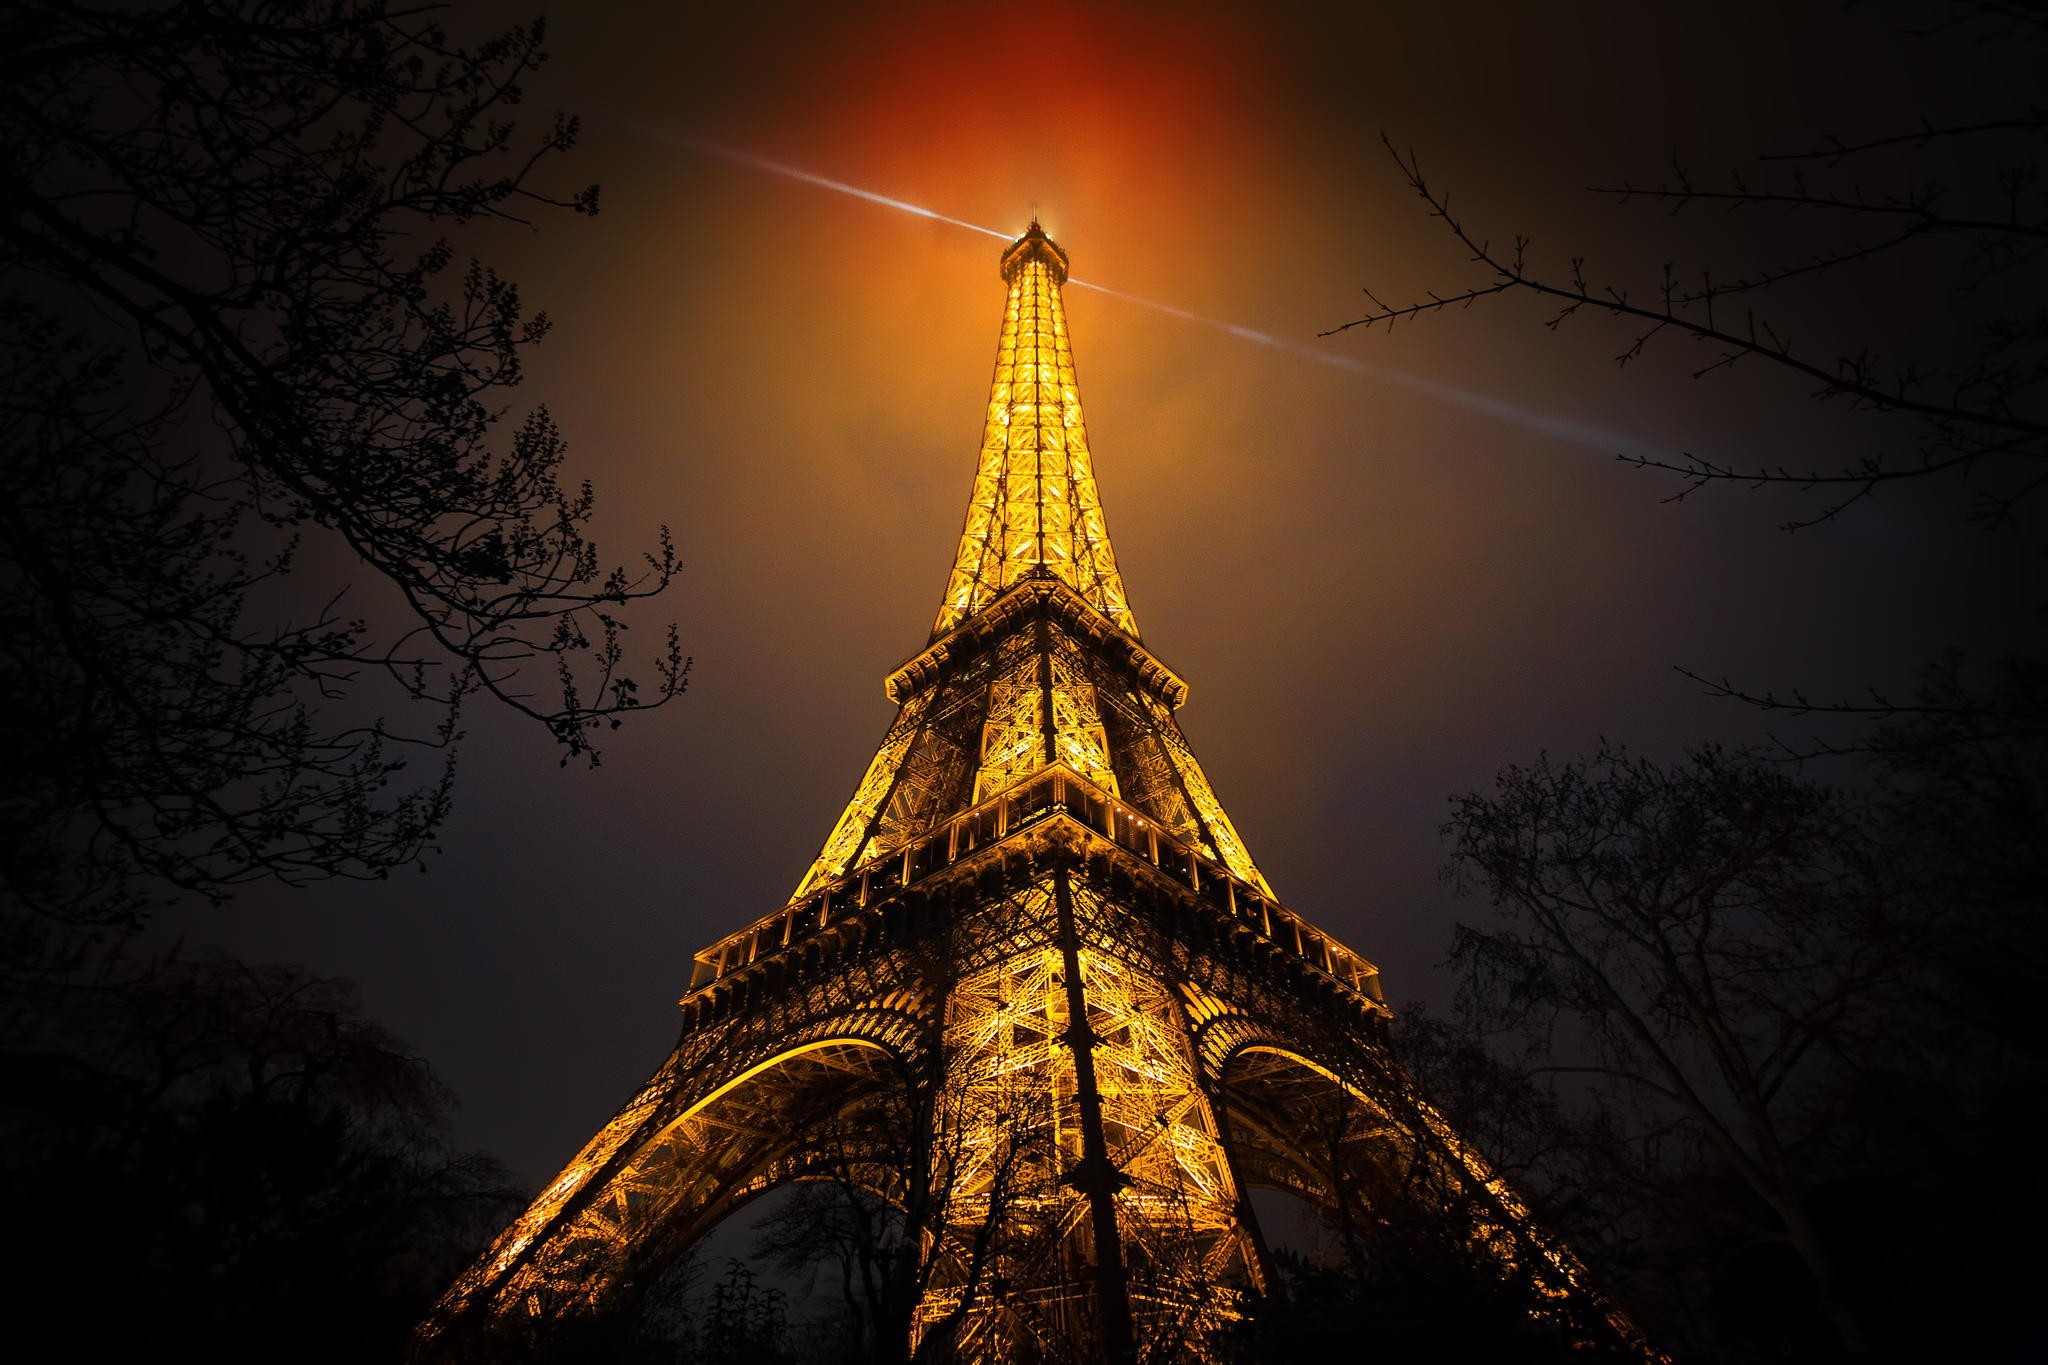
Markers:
{"x": 989, "y": 703}
{"x": 1034, "y": 509}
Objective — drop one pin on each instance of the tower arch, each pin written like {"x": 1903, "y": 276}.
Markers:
{"x": 742, "y": 1109}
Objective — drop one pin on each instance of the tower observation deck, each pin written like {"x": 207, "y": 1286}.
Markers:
{"x": 1033, "y": 995}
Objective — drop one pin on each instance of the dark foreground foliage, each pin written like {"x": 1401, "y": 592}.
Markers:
{"x": 1419, "y": 1301}
{"x": 214, "y": 1161}
{"x": 266, "y": 528}
{"x": 1767, "y": 1049}
{"x": 735, "y": 1320}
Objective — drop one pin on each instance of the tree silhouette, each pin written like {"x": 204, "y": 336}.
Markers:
{"x": 1961, "y": 203}
{"x": 241, "y": 361}
{"x": 222, "y": 1161}
{"x": 1756, "y": 1044}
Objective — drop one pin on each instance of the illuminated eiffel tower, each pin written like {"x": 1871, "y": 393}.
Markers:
{"x": 1033, "y": 993}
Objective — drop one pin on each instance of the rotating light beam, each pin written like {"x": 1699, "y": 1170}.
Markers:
{"x": 1529, "y": 419}
{"x": 762, "y": 163}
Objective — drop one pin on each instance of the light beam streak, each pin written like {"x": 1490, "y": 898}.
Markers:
{"x": 1549, "y": 424}
{"x": 761, "y": 163}
{"x": 1529, "y": 419}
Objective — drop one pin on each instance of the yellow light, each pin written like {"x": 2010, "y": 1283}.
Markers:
{"x": 1032, "y": 521}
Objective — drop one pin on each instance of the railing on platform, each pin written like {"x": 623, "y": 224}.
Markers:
{"x": 1056, "y": 790}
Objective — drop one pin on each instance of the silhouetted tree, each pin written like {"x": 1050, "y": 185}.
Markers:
{"x": 1956, "y": 206}
{"x": 736, "y": 1321}
{"x": 743, "y": 1323}
{"x": 1693, "y": 928}
{"x": 1943, "y": 216}
{"x": 1425, "y": 1298}
{"x": 949, "y": 1238}
{"x": 854, "y": 1237}
{"x": 237, "y": 342}
{"x": 225, "y": 1162}
{"x": 1777, "y": 1025}
{"x": 1774, "y": 1071}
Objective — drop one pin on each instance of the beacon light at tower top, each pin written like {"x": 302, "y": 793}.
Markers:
{"x": 1552, "y": 425}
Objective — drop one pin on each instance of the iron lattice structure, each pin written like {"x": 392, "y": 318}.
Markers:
{"x": 1033, "y": 991}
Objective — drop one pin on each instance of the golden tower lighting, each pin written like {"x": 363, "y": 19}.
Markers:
{"x": 1033, "y": 992}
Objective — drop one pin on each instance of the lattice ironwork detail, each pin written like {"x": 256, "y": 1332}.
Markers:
{"x": 1013, "y": 728}
{"x": 1028, "y": 686}
{"x": 1222, "y": 835}
{"x": 1034, "y": 505}
{"x": 851, "y": 832}
{"x": 1148, "y": 777}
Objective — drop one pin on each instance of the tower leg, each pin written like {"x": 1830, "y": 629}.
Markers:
{"x": 1095, "y": 1176}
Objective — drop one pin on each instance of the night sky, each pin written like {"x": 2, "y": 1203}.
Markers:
{"x": 1380, "y": 592}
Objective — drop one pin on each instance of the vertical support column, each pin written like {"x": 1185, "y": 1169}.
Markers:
{"x": 1048, "y": 725}
{"x": 1095, "y": 1176}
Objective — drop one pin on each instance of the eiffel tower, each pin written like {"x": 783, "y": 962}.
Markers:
{"x": 1034, "y": 992}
